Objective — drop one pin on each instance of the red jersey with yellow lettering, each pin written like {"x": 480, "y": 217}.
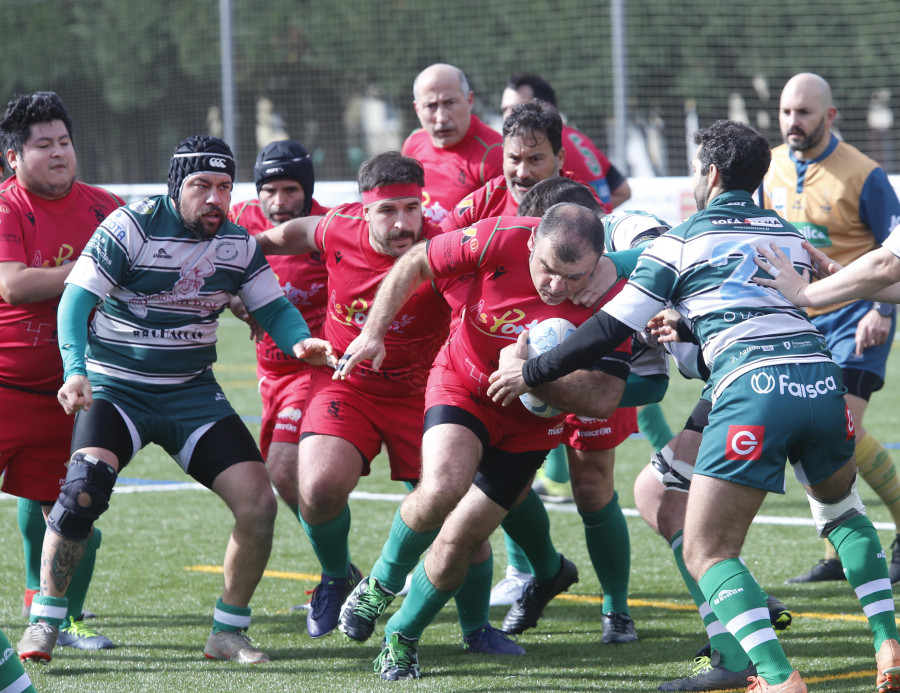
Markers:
{"x": 355, "y": 269}
{"x": 451, "y": 173}
{"x": 501, "y": 300}
{"x": 493, "y": 200}
{"x": 41, "y": 233}
{"x": 303, "y": 279}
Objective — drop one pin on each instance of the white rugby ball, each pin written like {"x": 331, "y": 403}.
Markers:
{"x": 545, "y": 336}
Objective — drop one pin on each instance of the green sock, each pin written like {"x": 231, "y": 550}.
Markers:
{"x": 419, "y": 608}
{"x": 863, "y": 558}
{"x": 474, "y": 596}
{"x": 609, "y": 547}
{"x": 81, "y": 578}
{"x": 556, "y": 466}
{"x": 32, "y": 526}
{"x": 529, "y": 526}
{"x": 53, "y": 610}
{"x": 515, "y": 556}
{"x": 12, "y": 674}
{"x": 400, "y": 553}
{"x": 652, "y": 423}
{"x": 228, "y": 617}
{"x": 731, "y": 654}
{"x": 739, "y": 603}
{"x": 330, "y": 541}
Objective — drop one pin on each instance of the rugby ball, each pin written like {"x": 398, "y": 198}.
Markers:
{"x": 545, "y": 336}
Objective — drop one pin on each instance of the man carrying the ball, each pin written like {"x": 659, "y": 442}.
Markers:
{"x": 776, "y": 395}
{"x": 523, "y": 273}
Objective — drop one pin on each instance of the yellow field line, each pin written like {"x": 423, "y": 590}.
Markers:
{"x": 585, "y": 598}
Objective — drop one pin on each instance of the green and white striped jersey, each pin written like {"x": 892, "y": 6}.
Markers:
{"x": 162, "y": 290}
{"x": 704, "y": 267}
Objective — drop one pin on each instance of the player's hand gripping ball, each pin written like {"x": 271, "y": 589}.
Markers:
{"x": 544, "y": 336}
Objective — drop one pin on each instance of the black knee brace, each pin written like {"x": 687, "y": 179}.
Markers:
{"x": 86, "y": 474}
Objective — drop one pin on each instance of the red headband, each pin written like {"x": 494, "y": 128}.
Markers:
{"x": 391, "y": 192}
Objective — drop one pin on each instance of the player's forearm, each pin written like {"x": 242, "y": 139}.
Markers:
{"x": 587, "y": 393}
{"x": 283, "y": 322}
{"x": 72, "y": 328}
{"x": 593, "y": 340}
{"x": 293, "y": 237}
{"x": 870, "y": 276}
{"x": 398, "y": 286}
{"x": 20, "y": 284}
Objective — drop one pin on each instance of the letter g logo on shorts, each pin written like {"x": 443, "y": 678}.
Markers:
{"x": 762, "y": 383}
{"x": 744, "y": 442}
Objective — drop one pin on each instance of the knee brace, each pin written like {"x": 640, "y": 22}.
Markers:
{"x": 827, "y": 516}
{"x": 674, "y": 474}
{"x": 86, "y": 475}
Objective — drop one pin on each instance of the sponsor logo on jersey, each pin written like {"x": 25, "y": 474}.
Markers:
{"x": 226, "y": 251}
{"x": 779, "y": 198}
{"x": 4, "y": 209}
{"x": 725, "y": 594}
{"x": 334, "y": 409}
{"x": 816, "y": 234}
{"x": 464, "y": 204}
{"x": 849, "y": 424}
{"x": 161, "y": 254}
{"x": 806, "y": 390}
{"x": 220, "y": 397}
{"x": 469, "y": 236}
{"x": 744, "y": 443}
{"x": 30, "y": 217}
{"x": 762, "y": 383}
{"x": 499, "y": 271}
{"x": 98, "y": 212}
{"x": 114, "y": 227}
{"x": 596, "y": 433}
{"x": 556, "y": 430}
{"x": 143, "y": 206}
{"x": 7, "y": 654}
{"x": 767, "y": 222}
{"x": 508, "y": 325}
{"x": 290, "y": 413}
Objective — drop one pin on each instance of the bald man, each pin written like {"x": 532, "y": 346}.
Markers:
{"x": 459, "y": 152}
{"x": 843, "y": 203}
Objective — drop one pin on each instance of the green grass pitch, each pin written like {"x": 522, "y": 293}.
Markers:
{"x": 157, "y": 580}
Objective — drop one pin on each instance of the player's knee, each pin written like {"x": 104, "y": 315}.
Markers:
{"x": 437, "y": 501}
{"x": 830, "y": 514}
{"x": 83, "y": 497}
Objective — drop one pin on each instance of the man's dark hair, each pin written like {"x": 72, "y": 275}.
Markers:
{"x": 387, "y": 169}
{"x": 534, "y": 120}
{"x": 26, "y": 111}
{"x": 741, "y": 154}
{"x": 550, "y": 191}
{"x": 571, "y": 229}
{"x": 540, "y": 87}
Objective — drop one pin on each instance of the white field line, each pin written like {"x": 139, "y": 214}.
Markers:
{"x": 144, "y": 487}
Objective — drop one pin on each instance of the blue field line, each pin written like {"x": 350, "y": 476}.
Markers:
{"x": 128, "y": 485}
